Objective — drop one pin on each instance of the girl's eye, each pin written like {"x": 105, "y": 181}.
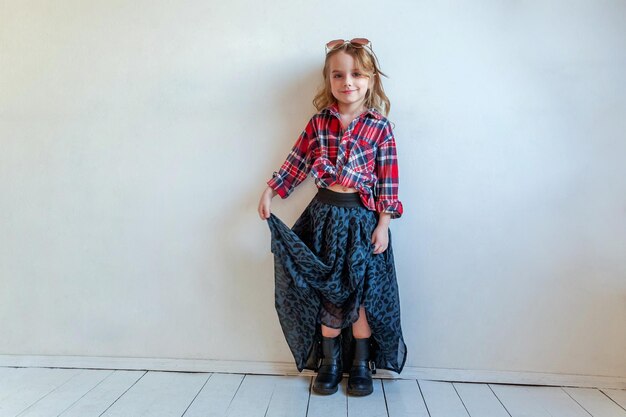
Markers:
{"x": 357, "y": 74}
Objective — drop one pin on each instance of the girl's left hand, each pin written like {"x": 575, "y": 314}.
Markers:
{"x": 380, "y": 239}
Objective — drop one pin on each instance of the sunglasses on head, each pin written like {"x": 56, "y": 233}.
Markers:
{"x": 356, "y": 42}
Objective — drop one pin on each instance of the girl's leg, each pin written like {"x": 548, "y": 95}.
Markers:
{"x": 330, "y": 332}
{"x": 360, "y": 328}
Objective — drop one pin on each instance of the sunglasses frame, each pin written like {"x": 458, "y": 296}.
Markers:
{"x": 356, "y": 42}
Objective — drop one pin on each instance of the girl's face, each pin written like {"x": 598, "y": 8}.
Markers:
{"x": 348, "y": 83}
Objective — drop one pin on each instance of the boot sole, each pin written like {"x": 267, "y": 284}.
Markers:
{"x": 325, "y": 391}
{"x": 359, "y": 393}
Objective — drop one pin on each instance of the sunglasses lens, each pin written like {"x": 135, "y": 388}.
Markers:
{"x": 360, "y": 41}
{"x": 336, "y": 42}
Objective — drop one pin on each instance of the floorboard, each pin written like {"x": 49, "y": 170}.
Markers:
{"x": 253, "y": 397}
{"x": 595, "y": 402}
{"x": 442, "y": 400}
{"x": 61, "y": 392}
{"x": 617, "y": 395}
{"x": 335, "y": 405}
{"x": 404, "y": 398}
{"x": 24, "y": 387}
{"x": 290, "y": 397}
{"x": 158, "y": 394}
{"x": 215, "y": 396}
{"x": 537, "y": 401}
{"x": 479, "y": 400}
{"x": 62, "y": 397}
{"x": 98, "y": 399}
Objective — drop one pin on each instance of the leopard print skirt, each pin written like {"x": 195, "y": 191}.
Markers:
{"x": 324, "y": 270}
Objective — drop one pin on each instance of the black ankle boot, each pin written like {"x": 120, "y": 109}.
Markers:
{"x": 360, "y": 381}
{"x": 329, "y": 374}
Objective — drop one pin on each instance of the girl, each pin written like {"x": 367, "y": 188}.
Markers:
{"x": 335, "y": 283}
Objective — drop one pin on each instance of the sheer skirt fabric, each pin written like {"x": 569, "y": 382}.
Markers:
{"x": 324, "y": 270}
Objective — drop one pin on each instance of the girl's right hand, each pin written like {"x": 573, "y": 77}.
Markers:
{"x": 265, "y": 202}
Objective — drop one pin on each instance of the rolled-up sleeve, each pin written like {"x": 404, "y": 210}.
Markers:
{"x": 386, "y": 196}
{"x": 297, "y": 165}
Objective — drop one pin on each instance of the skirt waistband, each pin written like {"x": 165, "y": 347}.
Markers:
{"x": 324, "y": 195}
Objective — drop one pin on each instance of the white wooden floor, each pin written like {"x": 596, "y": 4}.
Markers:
{"x": 87, "y": 392}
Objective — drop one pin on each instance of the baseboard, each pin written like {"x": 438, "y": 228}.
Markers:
{"x": 284, "y": 368}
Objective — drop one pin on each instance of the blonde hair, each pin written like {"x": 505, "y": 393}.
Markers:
{"x": 367, "y": 64}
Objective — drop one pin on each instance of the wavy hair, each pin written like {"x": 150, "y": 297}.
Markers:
{"x": 366, "y": 63}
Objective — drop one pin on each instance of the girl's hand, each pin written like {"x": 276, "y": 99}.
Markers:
{"x": 380, "y": 238}
{"x": 265, "y": 203}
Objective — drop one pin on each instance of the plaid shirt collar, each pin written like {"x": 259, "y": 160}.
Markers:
{"x": 334, "y": 110}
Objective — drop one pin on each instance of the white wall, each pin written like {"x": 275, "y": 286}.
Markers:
{"x": 136, "y": 138}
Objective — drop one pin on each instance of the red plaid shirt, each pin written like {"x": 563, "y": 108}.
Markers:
{"x": 361, "y": 157}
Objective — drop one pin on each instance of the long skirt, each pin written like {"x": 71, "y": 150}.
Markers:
{"x": 325, "y": 269}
